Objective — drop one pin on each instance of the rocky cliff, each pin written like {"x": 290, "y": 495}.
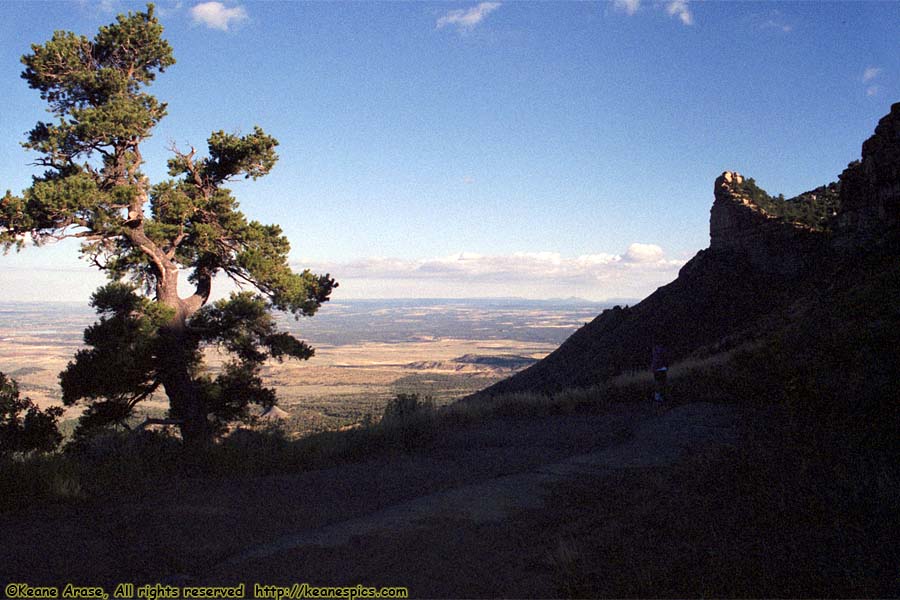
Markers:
{"x": 767, "y": 259}
{"x": 870, "y": 187}
{"x": 769, "y": 241}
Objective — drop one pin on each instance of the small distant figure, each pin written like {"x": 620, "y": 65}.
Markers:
{"x": 659, "y": 364}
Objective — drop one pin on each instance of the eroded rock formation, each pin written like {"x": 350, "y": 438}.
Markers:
{"x": 769, "y": 243}
{"x": 760, "y": 266}
{"x": 870, "y": 187}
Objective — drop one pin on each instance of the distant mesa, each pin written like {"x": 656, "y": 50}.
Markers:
{"x": 433, "y": 365}
{"x": 766, "y": 257}
{"x": 24, "y": 371}
{"x": 502, "y": 361}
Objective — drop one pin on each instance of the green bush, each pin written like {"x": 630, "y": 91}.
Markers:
{"x": 23, "y": 426}
{"x": 406, "y": 406}
{"x": 814, "y": 208}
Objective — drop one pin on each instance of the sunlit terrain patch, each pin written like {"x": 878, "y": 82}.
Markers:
{"x": 366, "y": 352}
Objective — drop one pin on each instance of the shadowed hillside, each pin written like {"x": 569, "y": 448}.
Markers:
{"x": 716, "y": 297}
{"x": 768, "y": 258}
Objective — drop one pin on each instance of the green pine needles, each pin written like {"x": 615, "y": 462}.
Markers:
{"x": 149, "y": 335}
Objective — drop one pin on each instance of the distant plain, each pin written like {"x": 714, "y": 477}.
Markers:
{"x": 366, "y": 352}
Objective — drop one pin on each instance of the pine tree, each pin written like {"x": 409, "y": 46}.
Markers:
{"x": 93, "y": 189}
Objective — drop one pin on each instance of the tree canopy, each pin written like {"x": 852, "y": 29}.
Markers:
{"x": 815, "y": 208}
{"x": 143, "y": 235}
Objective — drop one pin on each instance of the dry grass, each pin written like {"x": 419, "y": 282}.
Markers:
{"x": 29, "y": 480}
{"x": 126, "y": 464}
{"x": 680, "y": 369}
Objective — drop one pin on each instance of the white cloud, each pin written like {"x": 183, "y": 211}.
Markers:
{"x": 872, "y": 90}
{"x": 634, "y": 273}
{"x": 467, "y": 19}
{"x": 772, "y": 19}
{"x": 101, "y": 7}
{"x": 679, "y": 8}
{"x": 644, "y": 253}
{"x": 870, "y": 73}
{"x": 627, "y": 6}
{"x": 216, "y": 16}
{"x": 774, "y": 24}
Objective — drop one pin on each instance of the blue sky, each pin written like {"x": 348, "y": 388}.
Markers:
{"x": 535, "y": 149}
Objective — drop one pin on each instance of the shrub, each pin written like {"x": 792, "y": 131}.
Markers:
{"x": 26, "y": 480}
{"x": 123, "y": 462}
{"x": 23, "y": 426}
{"x": 405, "y": 406}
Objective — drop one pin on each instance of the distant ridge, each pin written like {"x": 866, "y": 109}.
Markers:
{"x": 487, "y": 300}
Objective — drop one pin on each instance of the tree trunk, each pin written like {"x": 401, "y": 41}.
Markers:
{"x": 176, "y": 359}
{"x": 177, "y": 353}
{"x": 185, "y": 400}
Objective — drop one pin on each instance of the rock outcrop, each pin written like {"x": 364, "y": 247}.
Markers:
{"x": 763, "y": 263}
{"x": 870, "y": 187}
{"x": 770, "y": 243}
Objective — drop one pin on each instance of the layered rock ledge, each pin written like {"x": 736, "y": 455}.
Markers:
{"x": 768, "y": 242}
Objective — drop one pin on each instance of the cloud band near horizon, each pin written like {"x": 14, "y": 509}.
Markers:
{"x": 634, "y": 273}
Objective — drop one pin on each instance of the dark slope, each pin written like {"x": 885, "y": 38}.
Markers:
{"x": 762, "y": 270}
{"x": 716, "y": 301}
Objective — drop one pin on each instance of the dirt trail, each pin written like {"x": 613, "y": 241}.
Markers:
{"x": 657, "y": 442}
{"x": 457, "y": 518}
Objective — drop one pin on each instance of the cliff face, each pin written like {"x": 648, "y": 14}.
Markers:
{"x": 870, "y": 187}
{"x": 868, "y": 200}
{"x": 769, "y": 243}
{"x": 767, "y": 258}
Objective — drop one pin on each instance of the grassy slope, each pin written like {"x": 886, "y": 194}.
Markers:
{"x": 716, "y": 303}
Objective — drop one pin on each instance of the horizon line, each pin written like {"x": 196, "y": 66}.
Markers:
{"x": 397, "y": 299}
